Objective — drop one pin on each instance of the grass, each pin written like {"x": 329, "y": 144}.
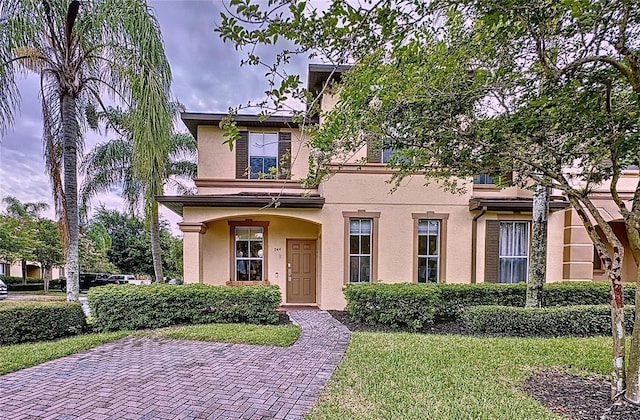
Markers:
{"x": 401, "y": 375}
{"x": 52, "y": 292}
{"x": 25, "y": 301}
{"x": 21, "y": 356}
{"x": 264, "y": 335}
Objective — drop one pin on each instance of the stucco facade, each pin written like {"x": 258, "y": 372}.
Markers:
{"x": 243, "y": 229}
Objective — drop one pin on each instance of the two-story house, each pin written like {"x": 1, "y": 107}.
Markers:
{"x": 249, "y": 223}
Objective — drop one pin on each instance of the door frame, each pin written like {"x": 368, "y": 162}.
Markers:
{"x": 286, "y": 295}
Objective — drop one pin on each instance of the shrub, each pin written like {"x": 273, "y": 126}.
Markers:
{"x": 37, "y": 321}
{"x": 454, "y": 298}
{"x": 394, "y": 305}
{"x": 135, "y": 307}
{"x": 584, "y": 320}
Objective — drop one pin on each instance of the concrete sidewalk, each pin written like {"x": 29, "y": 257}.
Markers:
{"x": 141, "y": 378}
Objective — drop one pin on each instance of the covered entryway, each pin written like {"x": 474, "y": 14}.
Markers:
{"x": 301, "y": 271}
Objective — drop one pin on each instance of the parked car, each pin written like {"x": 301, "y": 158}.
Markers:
{"x": 87, "y": 280}
{"x": 3, "y": 290}
{"x": 120, "y": 279}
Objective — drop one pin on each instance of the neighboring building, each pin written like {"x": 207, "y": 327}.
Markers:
{"x": 241, "y": 228}
{"x": 32, "y": 269}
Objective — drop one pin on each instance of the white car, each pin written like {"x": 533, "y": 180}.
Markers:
{"x": 120, "y": 278}
{"x": 3, "y": 290}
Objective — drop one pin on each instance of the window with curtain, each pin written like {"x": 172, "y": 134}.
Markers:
{"x": 428, "y": 251}
{"x": 263, "y": 155}
{"x": 360, "y": 231}
{"x": 514, "y": 252}
{"x": 249, "y": 253}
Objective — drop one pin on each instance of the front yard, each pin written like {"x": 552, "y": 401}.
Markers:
{"x": 413, "y": 376}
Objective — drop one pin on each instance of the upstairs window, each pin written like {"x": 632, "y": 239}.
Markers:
{"x": 386, "y": 155}
{"x": 483, "y": 179}
{"x": 263, "y": 155}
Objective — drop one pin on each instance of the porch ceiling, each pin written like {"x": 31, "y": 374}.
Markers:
{"x": 513, "y": 204}
{"x": 177, "y": 203}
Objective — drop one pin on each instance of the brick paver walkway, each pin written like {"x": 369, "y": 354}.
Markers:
{"x": 141, "y": 378}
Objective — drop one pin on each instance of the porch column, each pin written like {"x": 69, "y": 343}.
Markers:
{"x": 192, "y": 250}
{"x": 578, "y": 249}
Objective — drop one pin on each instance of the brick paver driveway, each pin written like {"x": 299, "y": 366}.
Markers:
{"x": 141, "y": 378}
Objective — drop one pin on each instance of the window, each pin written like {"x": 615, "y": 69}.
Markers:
{"x": 360, "y": 234}
{"x": 428, "y": 251}
{"x": 263, "y": 155}
{"x": 3, "y": 269}
{"x": 513, "y": 252}
{"x": 249, "y": 248}
{"x": 483, "y": 179}
{"x": 597, "y": 262}
{"x": 386, "y": 155}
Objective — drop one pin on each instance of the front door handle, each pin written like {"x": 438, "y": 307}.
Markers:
{"x": 288, "y": 271}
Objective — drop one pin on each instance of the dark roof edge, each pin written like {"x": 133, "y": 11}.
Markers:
{"x": 512, "y": 204}
{"x": 194, "y": 119}
{"x": 177, "y": 203}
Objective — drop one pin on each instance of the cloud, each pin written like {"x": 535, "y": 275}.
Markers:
{"x": 207, "y": 77}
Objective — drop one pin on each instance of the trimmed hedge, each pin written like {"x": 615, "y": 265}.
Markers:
{"x": 584, "y": 320}
{"x": 37, "y": 321}
{"x": 15, "y": 284}
{"x": 417, "y": 305}
{"x": 456, "y": 297}
{"x": 9, "y": 280}
{"x": 394, "y": 305}
{"x": 133, "y": 307}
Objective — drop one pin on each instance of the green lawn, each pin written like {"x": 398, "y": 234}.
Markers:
{"x": 264, "y": 335}
{"x": 21, "y": 356}
{"x": 415, "y": 376}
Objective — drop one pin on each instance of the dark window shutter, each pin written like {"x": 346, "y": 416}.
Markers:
{"x": 374, "y": 154}
{"x": 491, "y": 252}
{"x": 242, "y": 155}
{"x": 284, "y": 155}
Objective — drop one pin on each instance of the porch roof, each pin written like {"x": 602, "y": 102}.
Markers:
{"x": 513, "y": 204}
{"x": 259, "y": 200}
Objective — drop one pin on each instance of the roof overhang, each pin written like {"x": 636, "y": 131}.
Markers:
{"x": 513, "y": 204}
{"x": 194, "y": 119}
{"x": 320, "y": 73}
{"x": 291, "y": 201}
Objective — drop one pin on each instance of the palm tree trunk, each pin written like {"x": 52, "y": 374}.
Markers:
{"x": 70, "y": 156}
{"x": 538, "y": 264}
{"x": 156, "y": 251}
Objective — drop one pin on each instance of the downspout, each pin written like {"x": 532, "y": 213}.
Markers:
{"x": 474, "y": 245}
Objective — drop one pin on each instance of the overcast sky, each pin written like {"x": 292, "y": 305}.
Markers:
{"x": 207, "y": 77}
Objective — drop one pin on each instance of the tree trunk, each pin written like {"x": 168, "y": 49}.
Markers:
{"x": 23, "y": 265}
{"x": 46, "y": 276}
{"x": 156, "y": 251}
{"x": 633, "y": 370}
{"x": 538, "y": 261}
{"x": 618, "y": 376}
{"x": 70, "y": 156}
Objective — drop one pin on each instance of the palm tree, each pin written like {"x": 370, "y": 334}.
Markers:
{"x": 110, "y": 166}
{"x": 81, "y": 51}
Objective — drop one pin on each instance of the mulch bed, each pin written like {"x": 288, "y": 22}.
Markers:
{"x": 570, "y": 396}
